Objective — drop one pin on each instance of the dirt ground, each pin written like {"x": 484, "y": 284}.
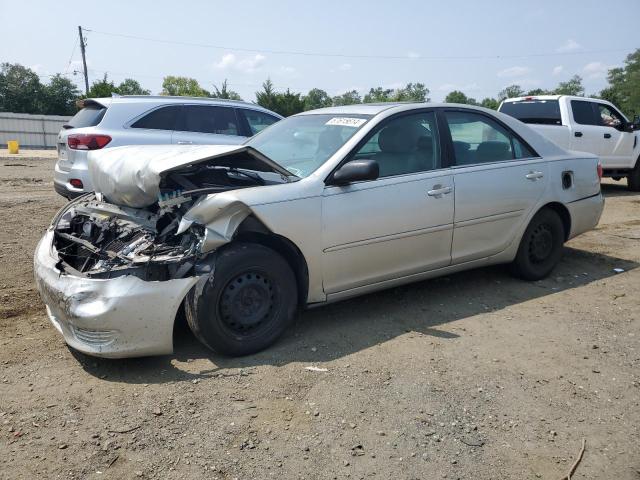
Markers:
{"x": 470, "y": 376}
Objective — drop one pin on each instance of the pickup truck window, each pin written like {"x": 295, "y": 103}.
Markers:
{"x": 609, "y": 117}
{"x": 584, "y": 113}
{"x": 546, "y": 112}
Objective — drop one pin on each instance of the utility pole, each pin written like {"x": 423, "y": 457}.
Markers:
{"x": 84, "y": 61}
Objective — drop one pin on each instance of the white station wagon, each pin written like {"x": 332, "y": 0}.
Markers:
{"x": 322, "y": 206}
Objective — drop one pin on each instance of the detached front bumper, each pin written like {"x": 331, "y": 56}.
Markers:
{"x": 113, "y": 318}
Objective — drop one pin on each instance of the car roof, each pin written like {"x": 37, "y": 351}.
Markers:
{"x": 550, "y": 97}
{"x": 166, "y": 99}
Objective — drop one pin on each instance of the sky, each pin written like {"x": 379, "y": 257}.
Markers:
{"x": 478, "y": 47}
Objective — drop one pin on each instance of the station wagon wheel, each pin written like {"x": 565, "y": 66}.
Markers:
{"x": 246, "y": 304}
{"x": 540, "y": 249}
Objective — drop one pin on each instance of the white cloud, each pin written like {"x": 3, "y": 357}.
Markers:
{"x": 514, "y": 72}
{"x": 230, "y": 61}
{"x": 596, "y": 70}
{"x": 413, "y": 55}
{"x": 344, "y": 67}
{"x": 557, "y": 70}
{"x": 569, "y": 46}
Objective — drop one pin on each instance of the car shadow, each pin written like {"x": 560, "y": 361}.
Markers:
{"x": 341, "y": 329}
{"x": 617, "y": 189}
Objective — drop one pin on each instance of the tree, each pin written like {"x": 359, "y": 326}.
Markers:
{"x": 573, "y": 86}
{"x": 20, "y": 89}
{"x": 510, "y": 92}
{"x": 182, "y": 87}
{"x": 316, "y": 98}
{"x": 412, "y": 92}
{"x": 624, "y": 85}
{"x": 130, "y": 86}
{"x": 458, "y": 97}
{"x": 348, "y": 98}
{"x": 59, "y": 96}
{"x": 102, "y": 88}
{"x": 377, "y": 95}
{"x": 267, "y": 96}
{"x": 287, "y": 103}
{"x": 538, "y": 91}
{"x": 491, "y": 103}
{"x": 224, "y": 92}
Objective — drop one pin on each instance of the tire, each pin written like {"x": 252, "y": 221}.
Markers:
{"x": 246, "y": 304}
{"x": 541, "y": 246}
{"x": 633, "y": 179}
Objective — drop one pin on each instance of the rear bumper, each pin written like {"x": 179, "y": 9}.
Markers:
{"x": 112, "y": 318}
{"x": 65, "y": 171}
{"x": 585, "y": 214}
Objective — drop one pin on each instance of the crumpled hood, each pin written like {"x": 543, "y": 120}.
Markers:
{"x": 131, "y": 175}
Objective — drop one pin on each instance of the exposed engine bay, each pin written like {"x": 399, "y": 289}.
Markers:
{"x": 99, "y": 239}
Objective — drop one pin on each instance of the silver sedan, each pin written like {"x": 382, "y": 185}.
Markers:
{"x": 322, "y": 206}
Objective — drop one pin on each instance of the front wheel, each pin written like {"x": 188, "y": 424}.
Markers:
{"x": 540, "y": 249}
{"x": 246, "y": 304}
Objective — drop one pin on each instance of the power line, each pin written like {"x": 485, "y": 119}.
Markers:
{"x": 73, "y": 51}
{"x": 355, "y": 56}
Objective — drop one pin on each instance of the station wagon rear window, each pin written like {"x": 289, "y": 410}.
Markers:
{"x": 89, "y": 116}
{"x": 546, "y": 112}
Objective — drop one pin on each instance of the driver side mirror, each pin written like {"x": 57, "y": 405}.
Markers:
{"x": 355, "y": 171}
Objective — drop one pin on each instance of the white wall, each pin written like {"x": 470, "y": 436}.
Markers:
{"x": 31, "y": 131}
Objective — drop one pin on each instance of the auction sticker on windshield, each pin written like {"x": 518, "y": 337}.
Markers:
{"x": 347, "y": 122}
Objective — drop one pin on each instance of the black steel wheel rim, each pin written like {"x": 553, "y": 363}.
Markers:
{"x": 247, "y": 302}
{"x": 541, "y": 244}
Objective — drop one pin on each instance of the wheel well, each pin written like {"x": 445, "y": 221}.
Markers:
{"x": 253, "y": 230}
{"x": 564, "y": 214}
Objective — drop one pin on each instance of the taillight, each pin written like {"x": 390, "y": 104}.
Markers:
{"x": 599, "y": 170}
{"x": 87, "y": 141}
{"x": 76, "y": 183}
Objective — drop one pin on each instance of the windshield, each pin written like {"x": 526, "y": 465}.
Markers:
{"x": 302, "y": 143}
{"x": 534, "y": 111}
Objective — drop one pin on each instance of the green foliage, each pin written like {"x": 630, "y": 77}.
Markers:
{"x": 348, "y": 98}
{"x": 377, "y": 95}
{"x": 459, "y": 97}
{"x": 20, "y": 89}
{"x": 131, "y": 87}
{"x": 538, "y": 91}
{"x": 60, "y": 96}
{"x": 510, "y": 92}
{"x": 412, "y": 92}
{"x": 224, "y": 92}
{"x": 102, "y": 88}
{"x": 182, "y": 87}
{"x": 624, "y": 85}
{"x": 491, "y": 103}
{"x": 317, "y": 98}
{"x": 286, "y": 104}
{"x": 573, "y": 86}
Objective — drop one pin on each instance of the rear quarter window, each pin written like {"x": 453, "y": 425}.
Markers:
{"x": 546, "y": 112}
{"x": 89, "y": 116}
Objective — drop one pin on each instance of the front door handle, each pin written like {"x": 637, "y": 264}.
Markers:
{"x": 439, "y": 190}
{"x": 578, "y": 134}
{"x": 185, "y": 142}
{"x": 607, "y": 135}
{"x": 534, "y": 175}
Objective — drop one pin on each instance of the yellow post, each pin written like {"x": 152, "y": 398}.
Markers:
{"x": 13, "y": 146}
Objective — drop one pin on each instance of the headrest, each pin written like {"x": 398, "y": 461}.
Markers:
{"x": 394, "y": 139}
{"x": 493, "y": 151}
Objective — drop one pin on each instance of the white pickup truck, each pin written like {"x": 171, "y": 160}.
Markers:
{"x": 587, "y": 125}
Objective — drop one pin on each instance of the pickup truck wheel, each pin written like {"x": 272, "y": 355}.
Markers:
{"x": 540, "y": 249}
{"x": 248, "y": 302}
{"x": 633, "y": 179}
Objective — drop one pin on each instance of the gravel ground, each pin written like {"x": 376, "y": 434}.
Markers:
{"x": 470, "y": 376}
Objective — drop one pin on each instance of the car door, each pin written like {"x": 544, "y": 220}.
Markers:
{"x": 617, "y": 143}
{"x": 397, "y": 225}
{"x": 498, "y": 181}
{"x": 207, "y": 125}
{"x": 588, "y": 134}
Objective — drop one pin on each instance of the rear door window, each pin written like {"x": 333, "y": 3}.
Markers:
{"x": 584, "y": 113}
{"x": 163, "y": 118}
{"x": 257, "y": 121}
{"x": 209, "y": 119}
{"x": 89, "y": 116}
{"x": 546, "y": 112}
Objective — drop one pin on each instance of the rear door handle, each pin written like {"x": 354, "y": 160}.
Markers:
{"x": 185, "y": 142}
{"x": 607, "y": 135}
{"x": 578, "y": 134}
{"x": 438, "y": 191}
{"x": 534, "y": 175}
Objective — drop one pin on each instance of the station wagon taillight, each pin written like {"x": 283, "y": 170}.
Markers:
{"x": 87, "y": 141}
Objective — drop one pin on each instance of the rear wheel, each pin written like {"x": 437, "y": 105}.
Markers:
{"x": 541, "y": 246}
{"x": 247, "y": 303}
{"x": 633, "y": 179}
